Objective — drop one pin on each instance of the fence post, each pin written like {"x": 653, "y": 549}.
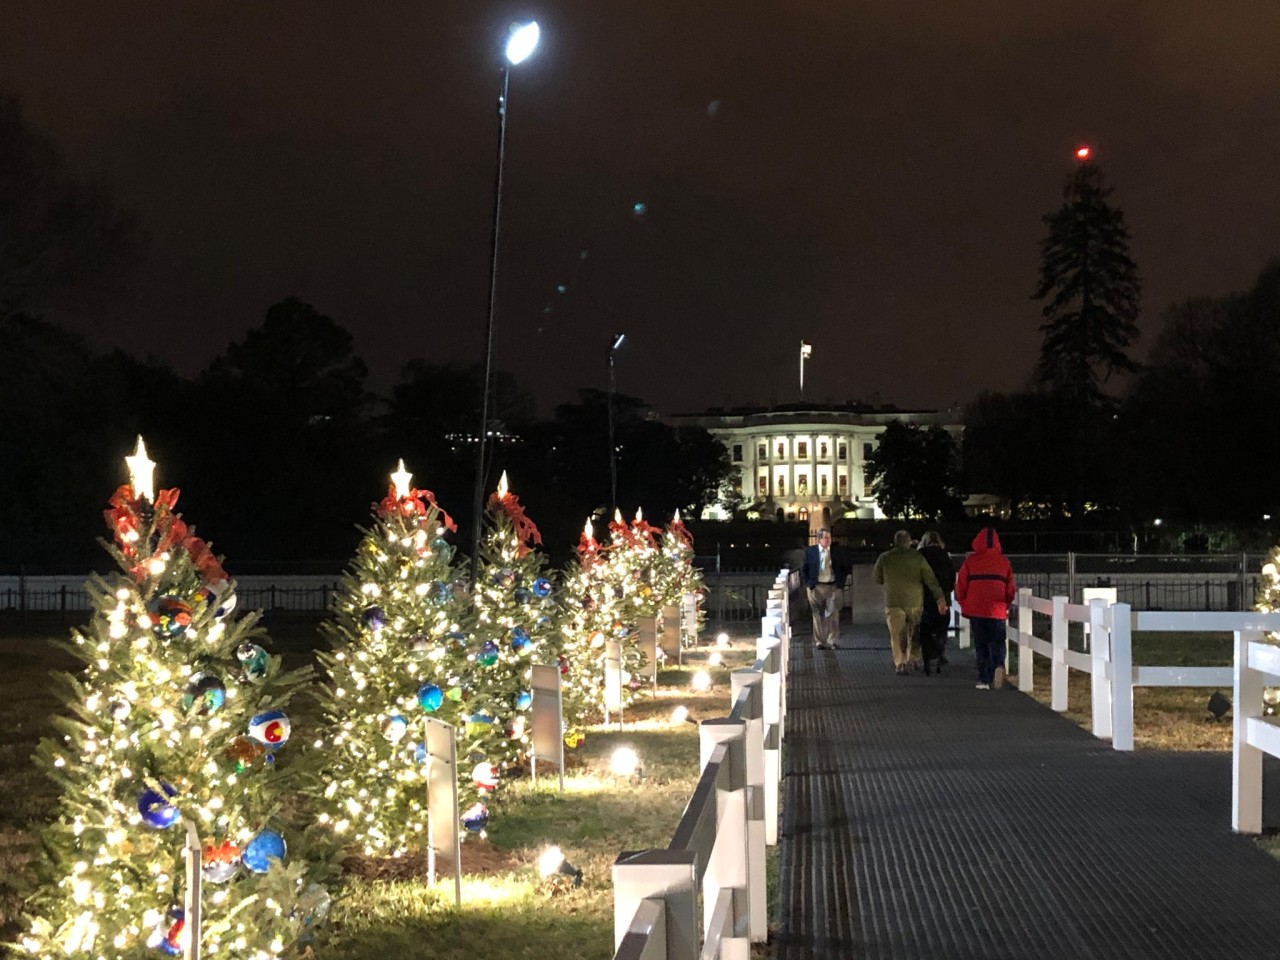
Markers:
{"x": 666, "y": 875}
{"x": 1121, "y": 677}
{"x": 727, "y": 866}
{"x": 1244, "y": 581}
{"x": 770, "y": 652}
{"x": 1100, "y": 685}
{"x": 753, "y": 754}
{"x": 1246, "y": 760}
{"x": 1026, "y": 656}
{"x": 1058, "y": 668}
{"x": 1071, "y": 574}
{"x": 962, "y": 628}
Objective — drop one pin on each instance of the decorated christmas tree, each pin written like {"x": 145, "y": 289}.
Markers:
{"x": 599, "y": 605}
{"x": 399, "y": 653}
{"x": 514, "y": 629}
{"x": 175, "y": 737}
{"x": 674, "y": 574}
{"x": 632, "y": 556}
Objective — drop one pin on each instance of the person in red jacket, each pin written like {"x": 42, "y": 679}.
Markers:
{"x": 984, "y": 590}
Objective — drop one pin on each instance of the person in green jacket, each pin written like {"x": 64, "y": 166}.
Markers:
{"x": 904, "y": 573}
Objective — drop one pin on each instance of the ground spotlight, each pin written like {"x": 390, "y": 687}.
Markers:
{"x": 624, "y": 762}
{"x": 701, "y": 681}
{"x": 552, "y": 863}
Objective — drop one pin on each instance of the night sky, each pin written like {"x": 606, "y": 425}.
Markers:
{"x": 867, "y": 176}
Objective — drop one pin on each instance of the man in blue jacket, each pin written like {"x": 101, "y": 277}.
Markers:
{"x": 825, "y": 569}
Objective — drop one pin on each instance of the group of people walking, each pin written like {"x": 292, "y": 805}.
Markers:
{"x": 983, "y": 586}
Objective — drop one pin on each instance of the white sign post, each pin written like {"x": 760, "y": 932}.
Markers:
{"x": 670, "y": 635}
{"x": 689, "y": 618}
{"x": 612, "y": 681}
{"x": 647, "y": 641}
{"x": 547, "y": 720}
{"x": 442, "y": 801}
{"x": 191, "y": 904}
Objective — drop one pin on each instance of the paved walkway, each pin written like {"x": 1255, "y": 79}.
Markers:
{"x": 903, "y": 838}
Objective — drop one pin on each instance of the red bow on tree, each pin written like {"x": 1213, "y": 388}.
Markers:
{"x": 526, "y": 530}
{"x": 413, "y": 505}
{"x": 125, "y": 516}
{"x": 679, "y": 530}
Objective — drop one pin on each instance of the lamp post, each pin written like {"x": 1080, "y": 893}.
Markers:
{"x": 614, "y": 343}
{"x": 520, "y": 44}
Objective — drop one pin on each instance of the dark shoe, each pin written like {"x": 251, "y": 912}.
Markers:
{"x": 942, "y": 662}
{"x": 823, "y": 646}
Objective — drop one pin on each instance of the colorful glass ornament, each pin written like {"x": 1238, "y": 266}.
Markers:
{"x": 476, "y": 817}
{"x": 419, "y": 646}
{"x": 155, "y": 807}
{"x": 167, "y": 935}
{"x": 394, "y": 727}
{"x": 205, "y": 692}
{"x": 542, "y": 587}
{"x": 430, "y": 697}
{"x": 522, "y": 595}
{"x": 442, "y": 591}
{"x": 270, "y": 728}
{"x": 170, "y": 616}
{"x": 261, "y": 850}
{"x": 519, "y": 639}
{"x": 209, "y": 597}
{"x": 485, "y": 777}
{"x": 374, "y": 618}
{"x": 514, "y": 729}
{"x": 457, "y": 641}
{"x": 488, "y": 654}
{"x": 441, "y": 548}
{"x": 523, "y": 700}
{"x": 254, "y": 660}
{"x": 243, "y": 752}
{"x": 221, "y": 861}
{"x": 573, "y": 738}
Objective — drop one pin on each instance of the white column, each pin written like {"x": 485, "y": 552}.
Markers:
{"x": 1026, "y": 656}
{"x": 1058, "y": 670}
{"x": 1246, "y": 760}
{"x": 1100, "y": 684}
{"x": 1121, "y": 677}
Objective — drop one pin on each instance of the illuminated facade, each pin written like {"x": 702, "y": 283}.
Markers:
{"x": 800, "y": 462}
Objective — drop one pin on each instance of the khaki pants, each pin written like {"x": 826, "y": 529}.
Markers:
{"x": 824, "y": 602}
{"x": 903, "y": 637}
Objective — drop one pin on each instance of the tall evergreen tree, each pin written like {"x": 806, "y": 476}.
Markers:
{"x": 174, "y": 726}
{"x": 1090, "y": 288}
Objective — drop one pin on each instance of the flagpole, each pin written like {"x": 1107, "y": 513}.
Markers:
{"x": 805, "y": 351}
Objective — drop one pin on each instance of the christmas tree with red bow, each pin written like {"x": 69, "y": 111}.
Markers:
{"x": 174, "y": 738}
{"x": 593, "y": 615}
{"x": 515, "y": 608}
{"x": 400, "y": 639}
{"x": 674, "y": 574}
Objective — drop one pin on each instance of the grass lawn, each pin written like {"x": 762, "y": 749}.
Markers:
{"x": 1164, "y": 718}
{"x": 508, "y": 912}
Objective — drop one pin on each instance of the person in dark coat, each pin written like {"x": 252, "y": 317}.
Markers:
{"x": 826, "y": 568}
{"x": 933, "y": 625}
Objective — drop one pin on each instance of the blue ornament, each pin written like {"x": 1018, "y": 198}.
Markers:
{"x": 522, "y": 595}
{"x": 443, "y": 592}
{"x": 210, "y": 596}
{"x": 480, "y": 717}
{"x": 542, "y": 587}
{"x": 523, "y": 700}
{"x": 476, "y": 817}
{"x": 430, "y": 697}
{"x": 488, "y": 654}
{"x": 374, "y": 618}
{"x": 165, "y": 936}
{"x": 457, "y": 641}
{"x": 420, "y": 752}
{"x": 261, "y": 850}
{"x": 519, "y": 639}
{"x": 543, "y": 620}
{"x": 155, "y": 807}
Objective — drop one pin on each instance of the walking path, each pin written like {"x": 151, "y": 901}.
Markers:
{"x": 926, "y": 819}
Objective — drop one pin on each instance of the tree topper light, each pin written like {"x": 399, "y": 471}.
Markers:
{"x": 400, "y": 479}
{"x": 142, "y": 472}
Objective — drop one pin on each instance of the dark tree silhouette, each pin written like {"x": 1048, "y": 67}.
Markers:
{"x": 1090, "y": 288}
{"x": 914, "y": 471}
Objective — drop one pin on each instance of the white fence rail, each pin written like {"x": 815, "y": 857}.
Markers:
{"x": 717, "y": 854}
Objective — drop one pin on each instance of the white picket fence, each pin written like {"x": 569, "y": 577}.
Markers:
{"x": 718, "y": 849}
{"x": 1114, "y": 675}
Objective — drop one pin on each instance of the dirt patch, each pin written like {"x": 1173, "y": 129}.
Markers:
{"x": 479, "y": 858}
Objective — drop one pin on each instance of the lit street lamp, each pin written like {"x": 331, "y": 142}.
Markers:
{"x": 520, "y": 44}
{"x": 614, "y": 344}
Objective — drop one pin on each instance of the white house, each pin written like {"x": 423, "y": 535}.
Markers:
{"x": 807, "y": 462}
